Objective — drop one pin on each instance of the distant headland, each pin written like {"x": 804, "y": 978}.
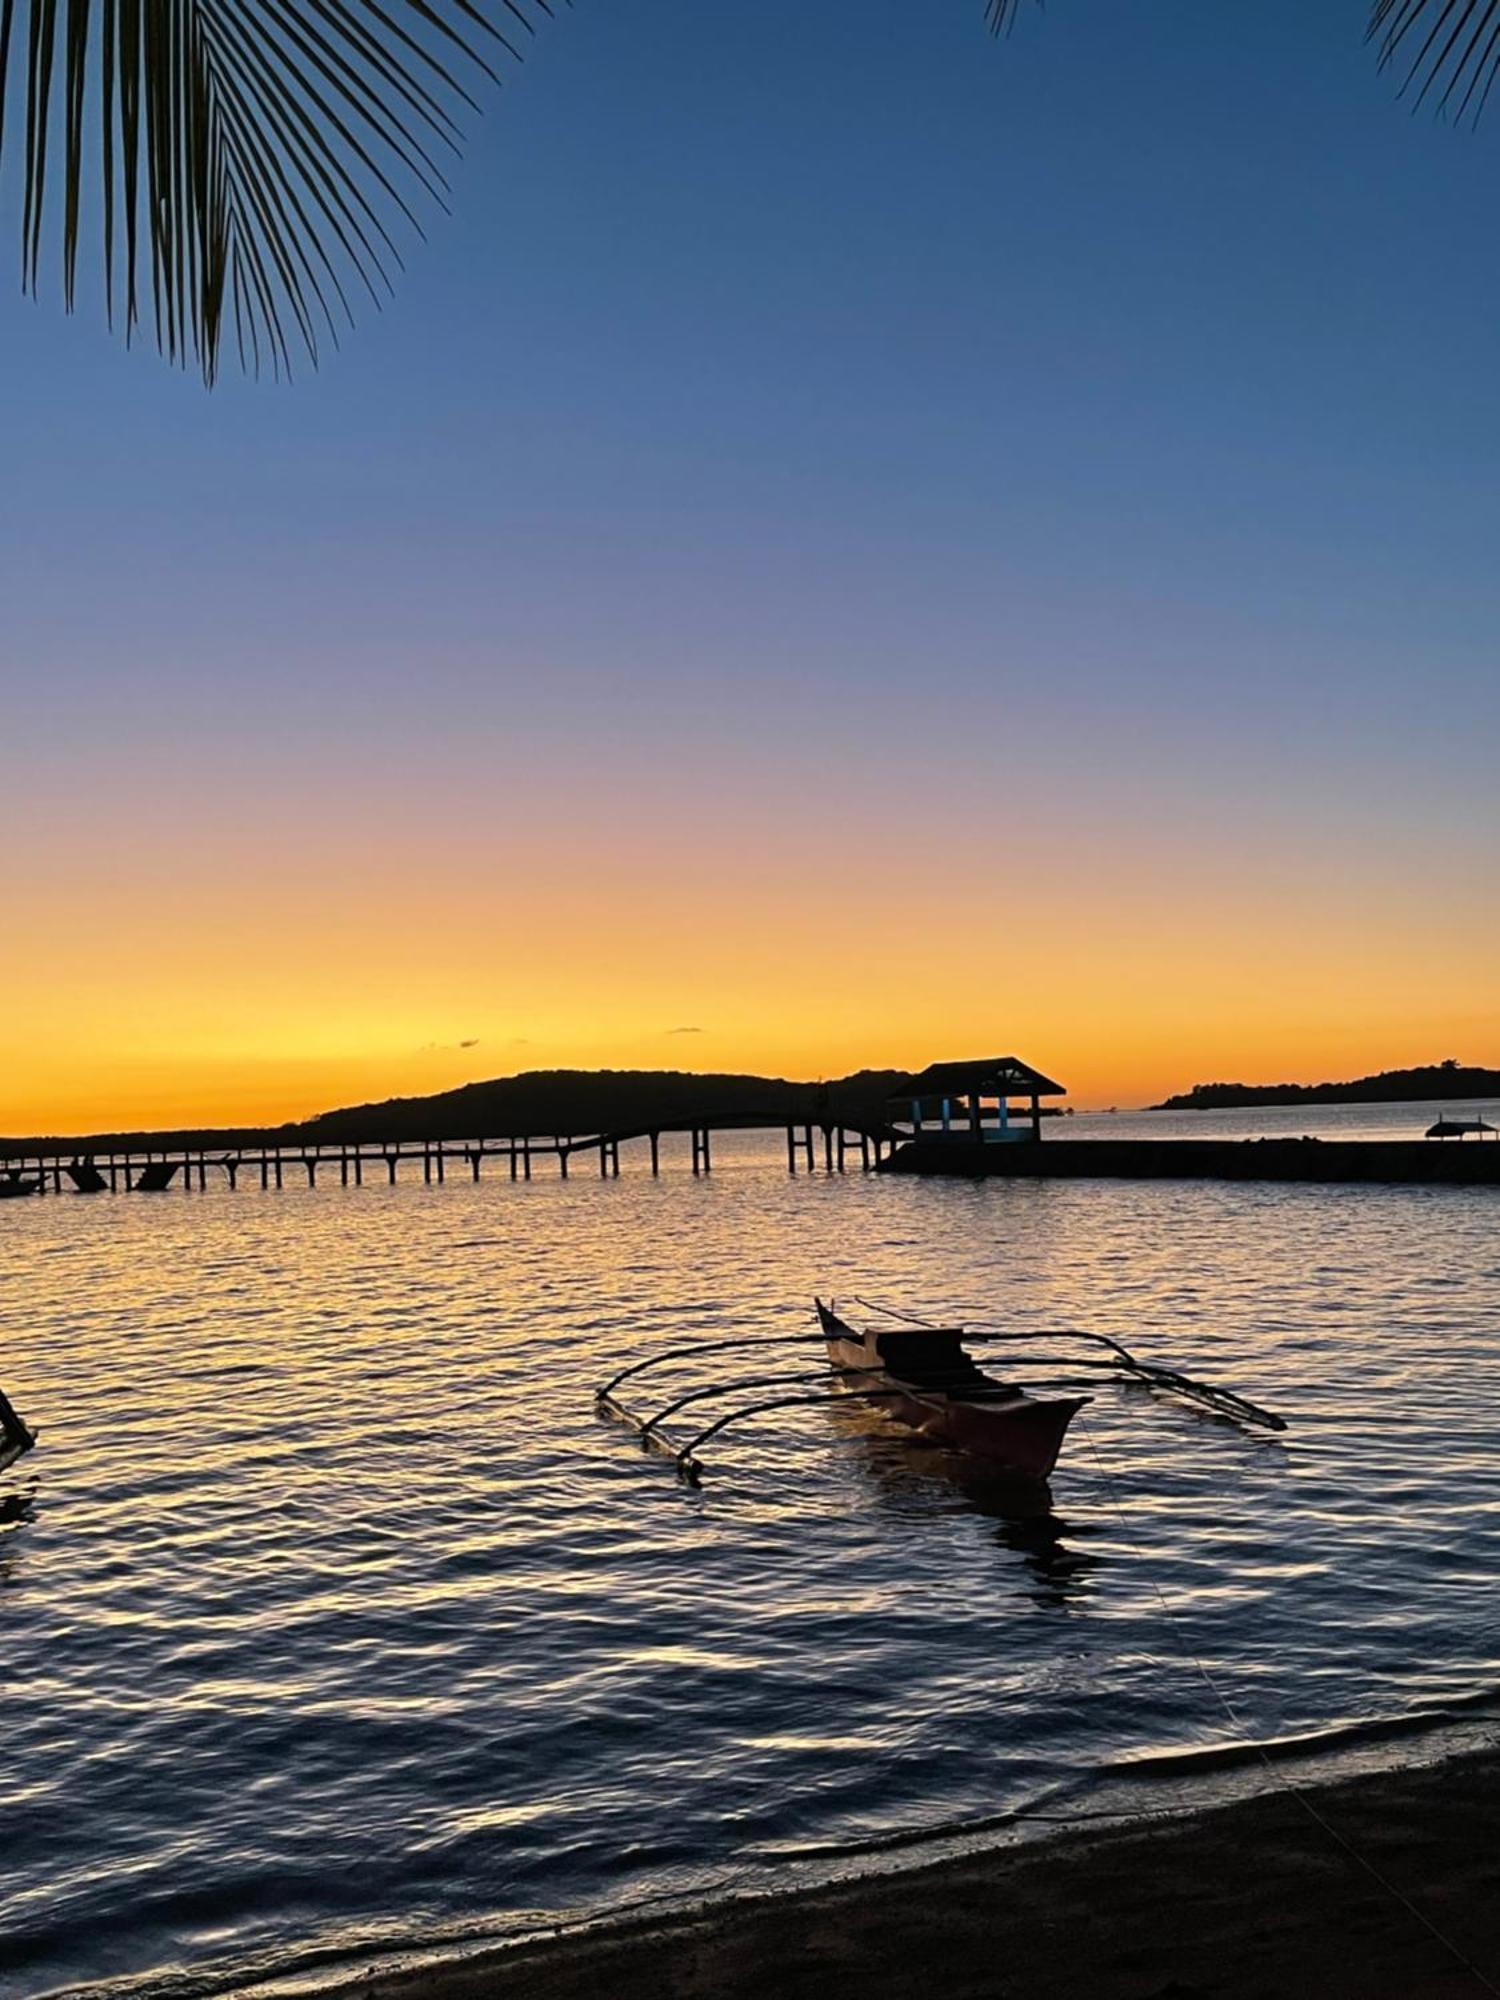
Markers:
{"x": 1450, "y": 1079}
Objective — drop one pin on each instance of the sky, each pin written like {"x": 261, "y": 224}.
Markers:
{"x": 854, "y": 544}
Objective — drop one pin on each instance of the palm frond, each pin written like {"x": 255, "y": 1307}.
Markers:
{"x": 1448, "y": 51}
{"x": 257, "y": 160}
{"x": 1001, "y": 14}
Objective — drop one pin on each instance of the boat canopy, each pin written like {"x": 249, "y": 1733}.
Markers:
{"x": 935, "y": 1354}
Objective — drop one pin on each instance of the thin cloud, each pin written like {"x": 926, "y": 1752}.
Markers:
{"x": 686, "y": 1031}
{"x": 448, "y": 1048}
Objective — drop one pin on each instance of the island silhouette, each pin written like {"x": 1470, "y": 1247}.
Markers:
{"x": 1448, "y": 1079}
{"x": 534, "y": 1104}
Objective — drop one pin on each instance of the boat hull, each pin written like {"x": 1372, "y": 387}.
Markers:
{"x": 1021, "y": 1437}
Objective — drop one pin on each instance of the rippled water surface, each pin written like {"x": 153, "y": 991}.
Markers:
{"x": 333, "y": 1613}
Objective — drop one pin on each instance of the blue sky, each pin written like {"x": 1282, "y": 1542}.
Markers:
{"x": 1134, "y": 307}
{"x": 1106, "y": 414}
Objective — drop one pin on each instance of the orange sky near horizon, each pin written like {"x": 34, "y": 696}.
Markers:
{"x": 241, "y": 980}
{"x": 817, "y": 600}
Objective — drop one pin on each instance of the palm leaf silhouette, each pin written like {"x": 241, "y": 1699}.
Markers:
{"x": 255, "y": 159}
{"x": 1447, "y": 51}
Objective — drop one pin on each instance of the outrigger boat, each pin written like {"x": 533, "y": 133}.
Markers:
{"x": 936, "y": 1388}
{"x": 922, "y": 1375}
{"x": 15, "y": 1438}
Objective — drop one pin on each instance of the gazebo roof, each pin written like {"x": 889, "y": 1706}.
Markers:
{"x": 987, "y": 1076}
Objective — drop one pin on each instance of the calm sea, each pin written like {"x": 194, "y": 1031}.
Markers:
{"x": 335, "y": 1618}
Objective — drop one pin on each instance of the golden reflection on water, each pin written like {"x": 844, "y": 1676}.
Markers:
{"x": 332, "y": 1609}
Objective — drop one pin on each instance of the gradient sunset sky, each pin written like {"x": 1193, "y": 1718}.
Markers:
{"x": 855, "y": 544}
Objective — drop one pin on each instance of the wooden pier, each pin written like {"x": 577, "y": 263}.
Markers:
{"x": 827, "y": 1147}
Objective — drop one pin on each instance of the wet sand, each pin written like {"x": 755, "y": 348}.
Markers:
{"x": 1252, "y": 1899}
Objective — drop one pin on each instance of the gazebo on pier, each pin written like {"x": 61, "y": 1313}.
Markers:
{"x": 971, "y": 1103}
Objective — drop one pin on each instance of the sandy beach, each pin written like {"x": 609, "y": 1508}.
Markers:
{"x": 1383, "y": 1887}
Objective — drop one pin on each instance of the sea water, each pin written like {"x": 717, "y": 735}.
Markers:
{"x": 334, "y": 1617}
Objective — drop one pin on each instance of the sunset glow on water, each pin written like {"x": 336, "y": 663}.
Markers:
{"x": 335, "y": 1616}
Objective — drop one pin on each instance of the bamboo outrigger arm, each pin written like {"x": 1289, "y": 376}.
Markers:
{"x": 1224, "y": 1401}
{"x": 606, "y": 1392}
{"x": 653, "y": 1424}
{"x": 650, "y": 1426}
{"x": 690, "y": 1468}
{"x": 1111, "y": 1358}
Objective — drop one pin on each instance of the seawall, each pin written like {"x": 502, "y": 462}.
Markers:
{"x": 1450, "y": 1163}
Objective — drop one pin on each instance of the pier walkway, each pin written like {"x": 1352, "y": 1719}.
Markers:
{"x": 833, "y": 1146}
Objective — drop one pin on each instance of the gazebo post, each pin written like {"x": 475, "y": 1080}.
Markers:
{"x": 958, "y": 1096}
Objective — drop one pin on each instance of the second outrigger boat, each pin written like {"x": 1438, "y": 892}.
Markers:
{"x": 921, "y": 1374}
{"x": 15, "y": 1438}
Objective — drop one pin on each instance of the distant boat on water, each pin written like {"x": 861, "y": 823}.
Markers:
{"x": 13, "y": 1183}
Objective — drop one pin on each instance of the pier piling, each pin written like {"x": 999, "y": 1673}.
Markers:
{"x": 153, "y": 1168}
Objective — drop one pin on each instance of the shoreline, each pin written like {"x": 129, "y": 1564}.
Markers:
{"x": 1381, "y": 1884}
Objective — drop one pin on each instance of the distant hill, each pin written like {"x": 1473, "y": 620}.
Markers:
{"x": 1448, "y": 1079}
{"x": 605, "y": 1100}
{"x": 536, "y": 1103}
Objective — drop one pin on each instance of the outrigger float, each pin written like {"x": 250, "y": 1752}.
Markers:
{"x": 923, "y": 1376}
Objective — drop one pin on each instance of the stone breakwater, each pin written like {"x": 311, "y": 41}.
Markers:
{"x": 1452, "y": 1163}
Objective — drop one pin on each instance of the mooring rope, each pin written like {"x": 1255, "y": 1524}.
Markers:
{"x": 1278, "y": 1778}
